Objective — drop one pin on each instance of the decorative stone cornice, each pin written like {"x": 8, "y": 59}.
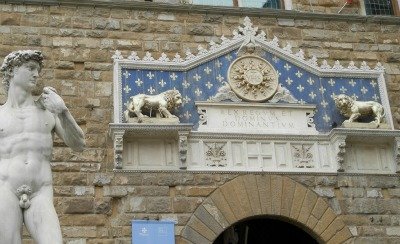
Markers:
{"x": 150, "y": 129}
{"x": 241, "y": 36}
{"x": 191, "y": 8}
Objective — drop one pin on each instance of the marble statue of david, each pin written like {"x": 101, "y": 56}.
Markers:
{"x": 27, "y": 127}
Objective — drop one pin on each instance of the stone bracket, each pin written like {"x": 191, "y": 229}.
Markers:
{"x": 183, "y": 148}
{"x": 339, "y": 149}
{"x": 118, "y": 138}
{"x": 121, "y": 132}
{"x": 343, "y": 138}
{"x": 397, "y": 153}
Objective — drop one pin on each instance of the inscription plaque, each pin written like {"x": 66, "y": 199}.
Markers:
{"x": 257, "y": 118}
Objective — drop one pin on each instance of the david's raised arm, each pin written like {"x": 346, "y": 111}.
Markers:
{"x": 66, "y": 127}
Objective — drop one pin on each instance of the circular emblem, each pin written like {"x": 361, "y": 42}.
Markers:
{"x": 253, "y": 78}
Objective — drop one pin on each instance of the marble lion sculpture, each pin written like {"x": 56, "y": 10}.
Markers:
{"x": 163, "y": 103}
{"x": 355, "y": 109}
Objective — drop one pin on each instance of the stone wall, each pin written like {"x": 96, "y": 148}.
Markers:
{"x": 96, "y": 205}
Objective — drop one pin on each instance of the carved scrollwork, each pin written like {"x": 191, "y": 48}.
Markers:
{"x": 118, "y": 149}
{"x": 225, "y": 93}
{"x": 340, "y": 150}
{"x": 397, "y": 153}
{"x": 216, "y": 155}
{"x": 202, "y": 116}
{"x": 183, "y": 148}
{"x": 310, "y": 120}
{"x": 302, "y": 156}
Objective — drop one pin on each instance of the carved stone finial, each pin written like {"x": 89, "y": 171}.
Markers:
{"x": 355, "y": 109}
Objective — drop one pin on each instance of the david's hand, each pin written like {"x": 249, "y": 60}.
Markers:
{"x": 52, "y": 101}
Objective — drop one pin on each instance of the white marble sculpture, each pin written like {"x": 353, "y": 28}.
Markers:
{"x": 26, "y": 138}
{"x": 160, "y": 105}
{"x": 355, "y": 109}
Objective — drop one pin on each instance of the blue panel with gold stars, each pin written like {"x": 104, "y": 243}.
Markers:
{"x": 203, "y": 81}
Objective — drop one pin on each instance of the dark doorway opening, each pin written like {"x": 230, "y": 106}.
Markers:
{"x": 264, "y": 231}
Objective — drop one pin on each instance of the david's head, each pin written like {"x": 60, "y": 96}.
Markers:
{"x": 22, "y": 68}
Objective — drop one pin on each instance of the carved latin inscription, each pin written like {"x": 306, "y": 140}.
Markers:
{"x": 258, "y": 118}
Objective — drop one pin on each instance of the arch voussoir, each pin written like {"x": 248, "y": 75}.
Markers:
{"x": 254, "y": 195}
{"x": 307, "y": 206}
{"x": 235, "y": 195}
{"x": 289, "y": 187}
{"x": 222, "y": 205}
{"x": 215, "y": 212}
{"x": 264, "y": 192}
{"x": 203, "y": 229}
{"x": 250, "y": 184}
{"x": 276, "y": 191}
{"x": 299, "y": 195}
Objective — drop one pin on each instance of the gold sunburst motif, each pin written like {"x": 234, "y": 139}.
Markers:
{"x": 253, "y": 78}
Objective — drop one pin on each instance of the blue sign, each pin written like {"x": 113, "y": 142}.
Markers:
{"x": 153, "y": 232}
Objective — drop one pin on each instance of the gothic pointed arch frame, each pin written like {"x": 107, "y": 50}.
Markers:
{"x": 276, "y": 196}
{"x": 241, "y": 36}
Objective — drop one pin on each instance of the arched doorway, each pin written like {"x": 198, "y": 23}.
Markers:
{"x": 264, "y": 229}
{"x": 249, "y": 196}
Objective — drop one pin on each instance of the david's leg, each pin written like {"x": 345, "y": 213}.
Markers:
{"x": 11, "y": 217}
{"x": 41, "y": 218}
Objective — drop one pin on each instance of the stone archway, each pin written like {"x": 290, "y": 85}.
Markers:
{"x": 254, "y": 195}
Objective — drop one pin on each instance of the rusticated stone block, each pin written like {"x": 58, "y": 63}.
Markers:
{"x": 78, "y": 205}
{"x": 81, "y": 232}
{"x": 83, "y": 220}
{"x": 159, "y": 204}
{"x": 152, "y": 190}
{"x": 200, "y": 29}
{"x": 185, "y": 204}
{"x": 199, "y": 191}
{"x": 103, "y": 205}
